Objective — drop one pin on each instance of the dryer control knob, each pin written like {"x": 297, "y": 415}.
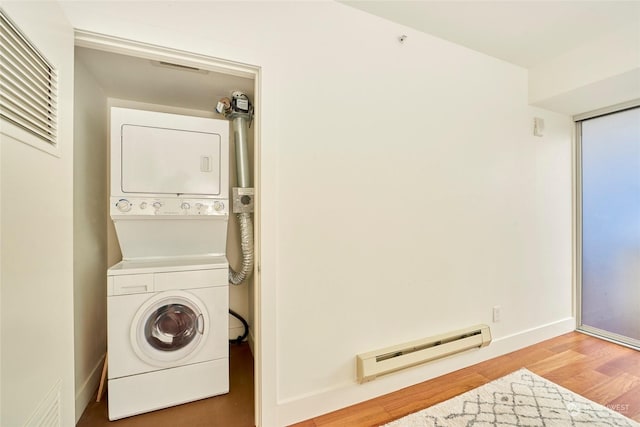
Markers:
{"x": 185, "y": 206}
{"x": 218, "y": 206}
{"x": 143, "y": 205}
{"x": 157, "y": 205}
{"x": 123, "y": 205}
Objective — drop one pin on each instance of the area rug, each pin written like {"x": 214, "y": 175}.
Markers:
{"x": 518, "y": 399}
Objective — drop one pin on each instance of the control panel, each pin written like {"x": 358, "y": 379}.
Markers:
{"x": 138, "y": 206}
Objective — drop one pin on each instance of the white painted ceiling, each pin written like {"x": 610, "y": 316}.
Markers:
{"x": 526, "y": 33}
{"x": 142, "y": 80}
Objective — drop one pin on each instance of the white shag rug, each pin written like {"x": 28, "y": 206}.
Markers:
{"x": 521, "y": 398}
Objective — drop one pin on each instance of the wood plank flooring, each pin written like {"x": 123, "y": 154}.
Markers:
{"x": 598, "y": 370}
{"x": 604, "y": 372}
{"x": 228, "y": 410}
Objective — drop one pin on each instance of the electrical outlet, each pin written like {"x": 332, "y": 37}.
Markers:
{"x": 496, "y": 314}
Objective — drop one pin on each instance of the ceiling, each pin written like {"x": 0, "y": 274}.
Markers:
{"x": 143, "y": 80}
{"x": 526, "y": 33}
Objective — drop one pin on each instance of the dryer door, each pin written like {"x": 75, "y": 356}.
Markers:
{"x": 170, "y": 161}
{"x": 171, "y": 327}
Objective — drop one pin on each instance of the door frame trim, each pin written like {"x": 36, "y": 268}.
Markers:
{"x": 113, "y": 44}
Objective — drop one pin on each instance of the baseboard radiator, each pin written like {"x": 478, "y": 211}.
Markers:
{"x": 384, "y": 361}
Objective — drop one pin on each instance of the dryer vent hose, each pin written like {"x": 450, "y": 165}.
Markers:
{"x": 240, "y": 119}
{"x": 246, "y": 243}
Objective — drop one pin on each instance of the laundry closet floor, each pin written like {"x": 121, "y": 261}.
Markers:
{"x": 234, "y": 409}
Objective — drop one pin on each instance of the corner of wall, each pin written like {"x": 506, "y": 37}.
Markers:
{"x": 90, "y": 238}
{"x": 87, "y": 390}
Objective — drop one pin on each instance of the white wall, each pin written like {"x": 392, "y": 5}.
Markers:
{"x": 401, "y": 191}
{"x": 90, "y": 235}
{"x": 598, "y": 74}
{"x": 37, "y": 243}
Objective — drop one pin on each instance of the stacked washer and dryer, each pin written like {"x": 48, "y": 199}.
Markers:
{"x": 167, "y": 300}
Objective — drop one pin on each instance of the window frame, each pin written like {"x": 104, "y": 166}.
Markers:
{"x": 578, "y": 120}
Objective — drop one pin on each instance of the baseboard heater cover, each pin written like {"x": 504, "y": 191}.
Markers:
{"x": 391, "y": 359}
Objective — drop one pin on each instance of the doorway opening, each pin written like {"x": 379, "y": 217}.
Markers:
{"x": 112, "y": 72}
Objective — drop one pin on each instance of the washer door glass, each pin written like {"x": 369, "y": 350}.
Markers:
{"x": 171, "y": 327}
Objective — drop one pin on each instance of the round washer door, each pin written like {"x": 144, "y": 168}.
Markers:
{"x": 169, "y": 328}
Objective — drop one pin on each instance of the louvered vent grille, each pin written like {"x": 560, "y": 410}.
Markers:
{"x": 28, "y": 85}
{"x": 47, "y": 413}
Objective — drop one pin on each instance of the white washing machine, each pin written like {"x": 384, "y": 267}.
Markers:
{"x": 168, "y": 333}
{"x": 167, "y": 300}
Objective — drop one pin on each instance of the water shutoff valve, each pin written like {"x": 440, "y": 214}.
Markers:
{"x": 242, "y": 199}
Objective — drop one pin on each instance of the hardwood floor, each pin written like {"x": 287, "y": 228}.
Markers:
{"x": 598, "y": 370}
{"x": 601, "y": 371}
{"x": 228, "y": 410}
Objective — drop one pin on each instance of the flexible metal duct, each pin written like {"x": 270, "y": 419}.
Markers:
{"x": 240, "y": 121}
{"x": 246, "y": 242}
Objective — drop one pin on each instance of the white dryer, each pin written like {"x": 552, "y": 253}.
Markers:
{"x": 169, "y": 184}
{"x": 167, "y": 301}
{"x": 168, "y": 333}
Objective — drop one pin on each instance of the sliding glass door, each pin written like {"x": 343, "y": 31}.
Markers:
{"x": 609, "y": 159}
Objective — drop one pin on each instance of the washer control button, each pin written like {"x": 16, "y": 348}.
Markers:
{"x": 156, "y": 205}
{"x": 218, "y": 206}
{"x": 143, "y": 205}
{"x": 185, "y": 206}
{"x": 123, "y": 205}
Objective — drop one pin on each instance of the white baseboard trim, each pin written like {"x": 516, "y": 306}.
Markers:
{"x": 294, "y": 410}
{"x": 88, "y": 389}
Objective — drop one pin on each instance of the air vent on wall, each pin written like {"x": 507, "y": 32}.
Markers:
{"x": 178, "y": 67}
{"x": 28, "y": 84}
{"x": 47, "y": 413}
